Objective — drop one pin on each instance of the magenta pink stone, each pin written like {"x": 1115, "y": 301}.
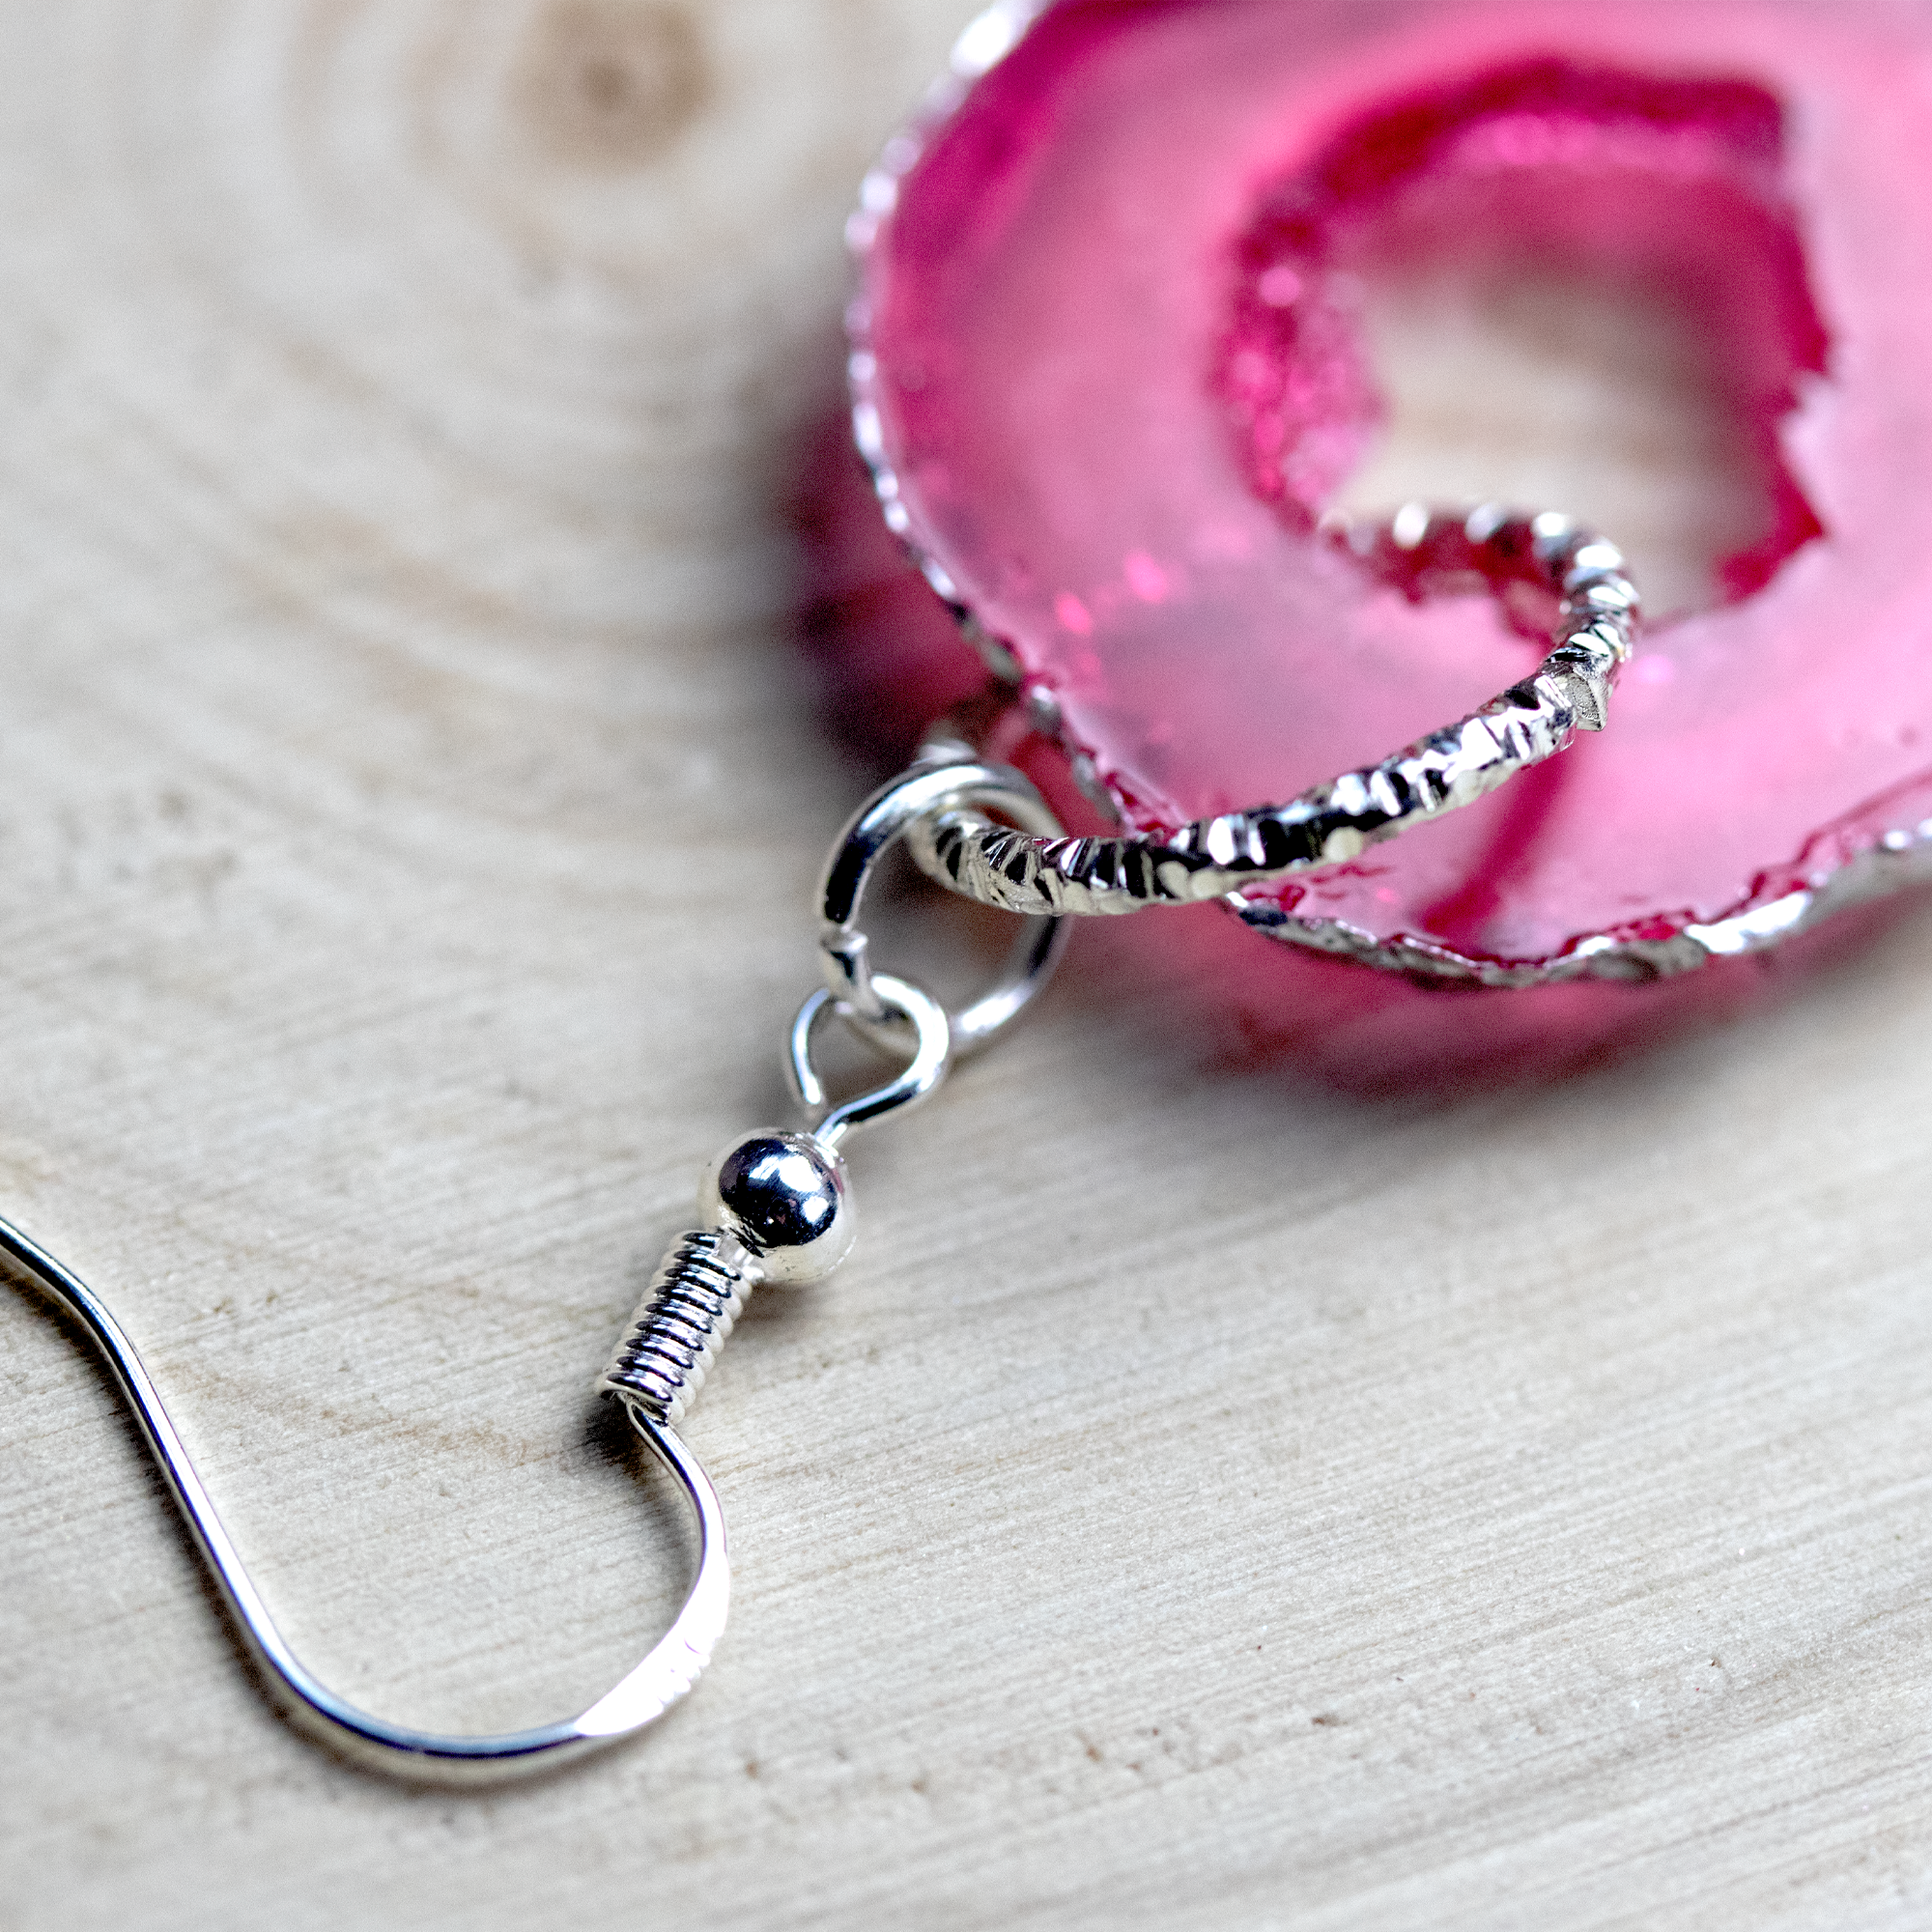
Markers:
{"x": 1115, "y": 379}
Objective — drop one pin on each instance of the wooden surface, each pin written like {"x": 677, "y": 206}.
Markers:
{"x": 1204, "y": 1500}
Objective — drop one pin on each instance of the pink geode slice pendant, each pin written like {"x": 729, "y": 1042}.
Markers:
{"x": 1108, "y": 377}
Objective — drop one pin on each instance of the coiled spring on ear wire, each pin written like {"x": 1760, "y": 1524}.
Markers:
{"x": 691, "y": 1307}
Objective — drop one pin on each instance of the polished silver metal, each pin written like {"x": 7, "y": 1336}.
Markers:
{"x": 1214, "y": 858}
{"x": 938, "y": 784}
{"x": 688, "y": 1312}
{"x": 785, "y": 1199}
{"x": 917, "y": 1080}
{"x": 664, "y": 1676}
{"x": 777, "y": 1208}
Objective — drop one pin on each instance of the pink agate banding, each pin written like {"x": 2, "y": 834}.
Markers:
{"x": 1106, "y": 385}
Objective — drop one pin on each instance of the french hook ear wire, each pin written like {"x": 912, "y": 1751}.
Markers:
{"x": 672, "y": 1667}
{"x": 777, "y": 1212}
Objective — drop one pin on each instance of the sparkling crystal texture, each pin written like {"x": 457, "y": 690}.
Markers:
{"x": 1111, "y": 367}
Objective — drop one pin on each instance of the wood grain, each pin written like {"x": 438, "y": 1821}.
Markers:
{"x": 1205, "y": 1499}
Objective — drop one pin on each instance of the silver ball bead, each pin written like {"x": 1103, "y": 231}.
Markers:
{"x": 785, "y": 1197}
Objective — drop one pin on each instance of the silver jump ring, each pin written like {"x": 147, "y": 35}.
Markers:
{"x": 932, "y": 1055}
{"x": 1025, "y": 873}
{"x": 880, "y": 823}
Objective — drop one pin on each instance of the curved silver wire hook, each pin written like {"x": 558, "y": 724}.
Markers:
{"x": 664, "y": 1676}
